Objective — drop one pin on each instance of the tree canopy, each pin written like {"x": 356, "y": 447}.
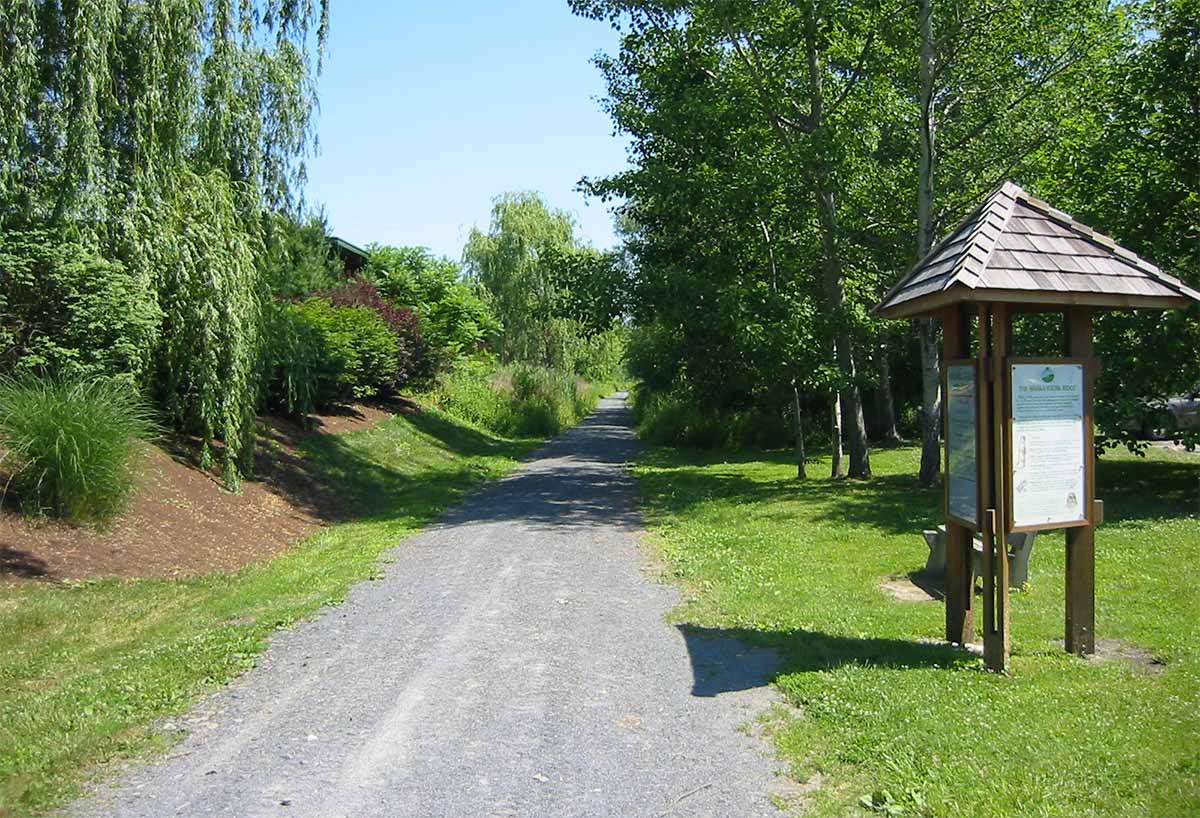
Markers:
{"x": 548, "y": 288}
{"x": 789, "y": 161}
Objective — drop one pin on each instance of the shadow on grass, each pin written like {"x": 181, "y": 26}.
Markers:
{"x": 577, "y": 479}
{"x": 731, "y": 659}
{"x": 465, "y": 440}
{"x": 337, "y": 478}
{"x": 1148, "y": 489}
{"x": 893, "y": 503}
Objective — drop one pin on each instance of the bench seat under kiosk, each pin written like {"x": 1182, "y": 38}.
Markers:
{"x": 1020, "y": 546}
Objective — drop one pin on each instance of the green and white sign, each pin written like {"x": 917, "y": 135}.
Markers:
{"x": 962, "y": 468}
{"x": 1048, "y": 444}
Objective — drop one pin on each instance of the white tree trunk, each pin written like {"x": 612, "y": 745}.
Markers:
{"x": 927, "y": 330}
{"x": 836, "y": 468}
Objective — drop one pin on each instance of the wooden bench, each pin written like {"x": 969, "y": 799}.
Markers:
{"x": 1020, "y": 546}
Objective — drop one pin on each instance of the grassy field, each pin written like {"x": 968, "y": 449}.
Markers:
{"x": 895, "y": 724}
{"x": 86, "y": 669}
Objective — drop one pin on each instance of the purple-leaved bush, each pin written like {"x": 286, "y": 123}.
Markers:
{"x": 411, "y": 351}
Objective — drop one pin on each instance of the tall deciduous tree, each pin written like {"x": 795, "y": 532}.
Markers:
{"x": 996, "y": 84}
{"x": 862, "y": 125}
{"x": 796, "y": 71}
{"x": 1130, "y": 166}
{"x": 725, "y": 248}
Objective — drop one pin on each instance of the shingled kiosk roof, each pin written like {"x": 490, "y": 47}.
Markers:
{"x": 1018, "y": 249}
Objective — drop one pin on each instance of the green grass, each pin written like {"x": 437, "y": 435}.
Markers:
{"x": 918, "y": 727}
{"x": 70, "y": 444}
{"x": 86, "y": 669}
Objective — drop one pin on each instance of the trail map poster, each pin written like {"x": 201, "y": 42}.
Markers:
{"x": 1047, "y": 444}
{"x": 962, "y": 483}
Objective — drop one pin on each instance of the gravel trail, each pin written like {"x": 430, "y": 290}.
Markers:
{"x": 512, "y": 661}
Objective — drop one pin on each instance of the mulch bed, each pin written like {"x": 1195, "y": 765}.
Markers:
{"x": 182, "y": 521}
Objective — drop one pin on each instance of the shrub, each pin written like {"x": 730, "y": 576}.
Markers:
{"x": 360, "y": 350}
{"x": 522, "y": 401}
{"x": 297, "y": 368}
{"x": 455, "y": 318}
{"x": 474, "y": 391}
{"x": 676, "y": 418}
{"x": 67, "y": 312}
{"x": 602, "y": 357}
{"x": 71, "y": 443}
{"x": 654, "y": 355}
{"x": 546, "y": 401}
{"x": 669, "y": 419}
{"x": 412, "y": 359}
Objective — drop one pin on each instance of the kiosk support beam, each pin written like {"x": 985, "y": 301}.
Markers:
{"x": 1081, "y": 542}
{"x": 996, "y": 613}
{"x": 959, "y": 579}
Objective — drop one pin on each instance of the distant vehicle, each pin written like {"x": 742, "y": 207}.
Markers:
{"x": 1186, "y": 409}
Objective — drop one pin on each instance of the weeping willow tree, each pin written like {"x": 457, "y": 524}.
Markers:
{"x": 508, "y": 262}
{"x": 161, "y": 131}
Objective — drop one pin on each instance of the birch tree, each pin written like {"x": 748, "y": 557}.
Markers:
{"x": 996, "y": 84}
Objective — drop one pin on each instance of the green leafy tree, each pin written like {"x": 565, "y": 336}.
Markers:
{"x": 800, "y": 147}
{"x": 455, "y": 317}
{"x": 67, "y": 313}
{"x": 591, "y": 286}
{"x": 296, "y": 258}
{"x": 740, "y": 173}
{"x": 211, "y": 301}
{"x": 982, "y": 117}
{"x": 512, "y": 262}
{"x": 1130, "y": 167}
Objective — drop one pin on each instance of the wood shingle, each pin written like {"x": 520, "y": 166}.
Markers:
{"x": 1018, "y": 249}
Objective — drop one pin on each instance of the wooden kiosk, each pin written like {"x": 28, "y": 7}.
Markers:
{"x": 1019, "y": 451}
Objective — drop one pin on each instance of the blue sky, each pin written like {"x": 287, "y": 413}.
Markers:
{"x": 429, "y": 110}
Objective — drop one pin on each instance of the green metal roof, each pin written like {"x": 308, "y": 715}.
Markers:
{"x": 346, "y": 247}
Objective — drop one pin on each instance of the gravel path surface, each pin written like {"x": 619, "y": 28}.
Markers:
{"x": 514, "y": 661}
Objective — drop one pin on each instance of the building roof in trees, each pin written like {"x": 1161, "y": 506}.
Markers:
{"x": 353, "y": 257}
{"x": 1018, "y": 249}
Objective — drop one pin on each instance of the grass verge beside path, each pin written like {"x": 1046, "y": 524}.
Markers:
{"x": 897, "y": 725}
{"x": 85, "y": 669}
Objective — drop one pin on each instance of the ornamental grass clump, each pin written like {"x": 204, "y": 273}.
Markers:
{"x": 70, "y": 445}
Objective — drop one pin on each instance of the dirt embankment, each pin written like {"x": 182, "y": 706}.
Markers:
{"x": 182, "y": 521}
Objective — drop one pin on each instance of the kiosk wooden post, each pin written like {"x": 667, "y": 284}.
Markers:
{"x": 1081, "y": 542}
{"x": 996, "y": 612}
{"x": 1015, "y": 253}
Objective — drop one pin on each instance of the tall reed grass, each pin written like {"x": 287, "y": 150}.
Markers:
{"x": 70, "y": 445}
{"x": 515, "y": 401}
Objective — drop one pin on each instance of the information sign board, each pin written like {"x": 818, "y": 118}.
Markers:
{"x": 1047, "y": 484}
{"x": 962, "y": 442}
